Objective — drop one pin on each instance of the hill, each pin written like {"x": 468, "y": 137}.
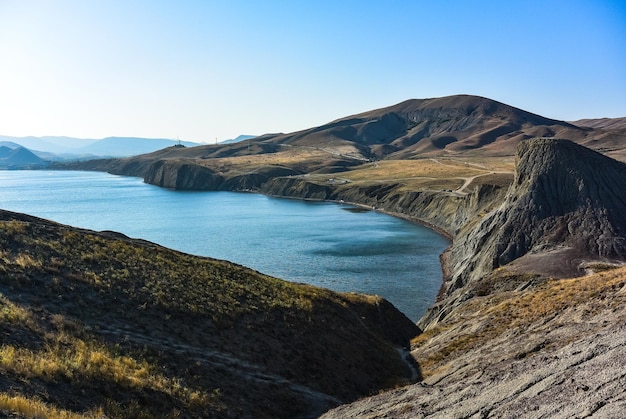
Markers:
{"x": 100, "y": 324}
{"x": 453, "y": 124}
{"x": 603, "y": 123}
{"x": 19, "y": 157}
{"x": 237, "y": 139}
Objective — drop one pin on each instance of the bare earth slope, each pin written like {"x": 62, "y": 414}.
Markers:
{"x": 566, "y": 202}
{"x": 556, "y": 351}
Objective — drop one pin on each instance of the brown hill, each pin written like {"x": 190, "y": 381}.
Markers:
{"x": 101, "y": 324}
{"x": 603, "y": 123}
{"x": 461, "y": 126}
{"x": 453, "y": 124}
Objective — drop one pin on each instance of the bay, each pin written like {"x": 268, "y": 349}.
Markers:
{"x": 319, "y": 243}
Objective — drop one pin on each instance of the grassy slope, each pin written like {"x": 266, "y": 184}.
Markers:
{"x": 483, "y": 319}
{"x": 98, "y": 323}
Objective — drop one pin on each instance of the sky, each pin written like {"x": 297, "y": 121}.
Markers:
{"x": 207, "y": 71}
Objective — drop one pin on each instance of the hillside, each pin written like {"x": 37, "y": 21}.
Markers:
{"x": 603, "y": 123}
{"x": 453, "y": 124}
{"x": 19, "y": 157}
{"x": 461, "y": 127}
{"x": 556, "y": 350}
{"x": 100, "y": 324}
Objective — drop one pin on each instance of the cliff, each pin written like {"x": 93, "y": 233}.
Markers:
{"x": 562, "y": 215}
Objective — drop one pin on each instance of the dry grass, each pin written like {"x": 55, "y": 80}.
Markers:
{"x": 287, "y": 157}
{"x": 95, "y": 323}
{"x": 406, "y": 169}
{"x": 431, "y": 174}
{"x": 493, "y": 315}
{"x": 68, "y": 358}
{"x": 34, "y": 408}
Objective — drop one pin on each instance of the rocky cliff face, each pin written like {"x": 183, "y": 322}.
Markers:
{"x": 563, "y": 214}
{"x": 175, "y": 174}
{"x": 443, "y": 211}
{"x": 190, "y": 175}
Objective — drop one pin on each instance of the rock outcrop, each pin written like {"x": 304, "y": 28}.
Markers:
{"x": 562, "y": 214}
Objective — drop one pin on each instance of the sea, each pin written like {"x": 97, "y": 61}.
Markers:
{"x": 332, "y": 245}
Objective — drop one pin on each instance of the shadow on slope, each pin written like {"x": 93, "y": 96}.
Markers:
{"x": 97, "y": 322}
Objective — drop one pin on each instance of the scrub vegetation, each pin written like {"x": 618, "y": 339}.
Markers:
{"x": 99, "y": 324}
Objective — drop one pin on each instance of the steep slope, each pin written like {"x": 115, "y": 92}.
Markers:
{"x": 100, "y": 323}
{"x": 562, "y": 215}
{"x": 556, "y": 350}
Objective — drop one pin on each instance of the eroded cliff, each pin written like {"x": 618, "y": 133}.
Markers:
{"x": 562, "y": 215}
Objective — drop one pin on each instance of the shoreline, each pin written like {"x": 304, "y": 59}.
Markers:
{"x": 443, "y": 257}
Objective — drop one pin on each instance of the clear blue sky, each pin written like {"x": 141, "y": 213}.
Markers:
{"x": 206, "y": 70}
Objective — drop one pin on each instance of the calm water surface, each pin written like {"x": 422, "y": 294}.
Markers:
{"x": 319, "y": 243}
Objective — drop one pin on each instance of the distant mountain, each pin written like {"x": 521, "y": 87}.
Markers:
{"x": 130, "y": 146}
{"x": 57, "y": 145}
{"x": 238, "y": 138}
{"x": 9, "y": 144}
{"x": 19, "y": 157}
{"x": 603, "y": 123}
{"x": 68, "y": 148}
{"x": 5, "y": 151}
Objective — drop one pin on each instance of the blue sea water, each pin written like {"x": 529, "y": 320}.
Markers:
{"x": 319, "y": 243}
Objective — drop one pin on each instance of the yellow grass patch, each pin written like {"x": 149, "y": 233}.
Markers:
{"x": 34, "y": 408}
{"x": 495, "y": 314}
